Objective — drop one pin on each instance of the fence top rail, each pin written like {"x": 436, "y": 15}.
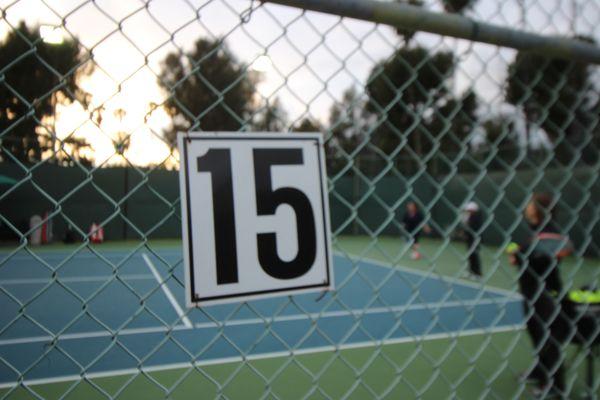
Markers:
{"x": 416, "y": 18}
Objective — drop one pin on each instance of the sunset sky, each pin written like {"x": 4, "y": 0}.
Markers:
{"x": 314, "y": 56}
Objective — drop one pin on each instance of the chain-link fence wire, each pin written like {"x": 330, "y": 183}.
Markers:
{"x": 93, "y": 94}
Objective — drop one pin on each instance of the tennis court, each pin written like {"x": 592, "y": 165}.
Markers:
{"x": 115, "y": 311}
{"x": 409, "y": 328}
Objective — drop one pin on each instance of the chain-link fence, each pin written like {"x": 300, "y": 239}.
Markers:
{"x": 442, "y": 152}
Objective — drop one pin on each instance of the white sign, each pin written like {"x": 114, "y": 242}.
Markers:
{"x": 255, "y": 215}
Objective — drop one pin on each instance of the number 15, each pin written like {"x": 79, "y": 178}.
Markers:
{"x": 217, "y": 162}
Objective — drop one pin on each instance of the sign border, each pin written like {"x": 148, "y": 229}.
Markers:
{"x": 184, "y": 138}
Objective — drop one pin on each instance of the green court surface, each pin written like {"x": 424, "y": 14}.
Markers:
{"x": 469, "y": 363}
{"x": 481, "y": 366}
{"x": 448, "y": 258}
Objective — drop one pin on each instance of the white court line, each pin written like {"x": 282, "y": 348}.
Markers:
{"x": 252, "y": 321}
{"x": 61, "y": 256}
{"x": 430, "y": 274}
{"x": 76, "y": 279}
{"x": 90, "y": 335}
{"x": 252, "y": 357}
{"x": 377, "y": 263}
{"x": 165, "y": 288}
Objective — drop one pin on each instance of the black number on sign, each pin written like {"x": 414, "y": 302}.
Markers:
{"x": 218, "y": 163}
{"x": 267, "y": 201}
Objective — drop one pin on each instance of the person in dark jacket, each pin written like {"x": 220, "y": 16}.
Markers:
{"x": 540, "y": 284}
{"x": 413, "y": 222}
{"x": 472, "y": 226}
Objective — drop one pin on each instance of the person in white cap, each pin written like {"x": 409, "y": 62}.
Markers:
{"x": 472, "y": 226}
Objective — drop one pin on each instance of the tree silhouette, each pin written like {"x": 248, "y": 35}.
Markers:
{"x": 34, "y": 74}
{"x": 333, "y": 159}
{"x": 502, "y": 139}
{"x": 74, "y": 154}
{"x": 408, "y": 34}
{"x": 401, "y": 90}
{"x": 121, "y": 145}
{"x": 450, "y": 130}
{"x": 350, "y": 125}
{"x": 208, "y": 90}
{"x": 554, "y": 94}
{"x": 458, "y": 6}
{"x": 271, "y": 117}
{"x": 453, "y": 122}
{"x": 122, "y": 140}
{"x": 308, "y": 125}
{"x": 453, "y": 6}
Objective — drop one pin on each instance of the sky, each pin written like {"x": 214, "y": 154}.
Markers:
{"x": 314, "y": 57}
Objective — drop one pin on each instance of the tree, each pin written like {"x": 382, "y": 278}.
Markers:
{"x": 453, "y": 6}
{"x": 451, "y": 127}
{"x": 271, "y": 117}
{"x": 457, "y": 6}
{"x": 121, "y": 144}
{"x": 208, "y": 90}
{"x": 123, "y": 139}
{"x": 408, "y": 34}
{"x": 453, "y": 121}
{"x": 350, "y": 125}
{"x": 554, "y": 94}
{"x": 75, "y": 145}
{"x": 307, "y": 124}
{"x": 401, "y": 90}
{"x": 502, "y": 139}
{"x": 34, "y": 74}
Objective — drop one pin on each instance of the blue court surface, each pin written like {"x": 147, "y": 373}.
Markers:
{"x": 108, "y": 314}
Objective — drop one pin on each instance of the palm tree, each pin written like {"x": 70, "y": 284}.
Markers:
{"x": 121, "y": 145}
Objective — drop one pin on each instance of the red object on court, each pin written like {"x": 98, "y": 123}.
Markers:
{"x": 96, "y": 233}
{"x": 46, "y": 229}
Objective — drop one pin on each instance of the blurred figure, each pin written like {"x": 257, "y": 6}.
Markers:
{"x": 70, "y": 236}
{"x": 540, "y": 284}
{"x": 472, "y": 222}
{"x": 413, "y": 223}
{"x": 35, "y": 227}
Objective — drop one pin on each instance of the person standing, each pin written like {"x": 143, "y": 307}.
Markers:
{"x": 413, "y": 222}
{"x": 548, "y": 322}
{"x": 472, "y": 227}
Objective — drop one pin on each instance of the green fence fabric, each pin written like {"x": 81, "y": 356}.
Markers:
{"x": 151, "y": 209}
{"x": 448, "y": 104}
{"x": 145, "y": 206}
